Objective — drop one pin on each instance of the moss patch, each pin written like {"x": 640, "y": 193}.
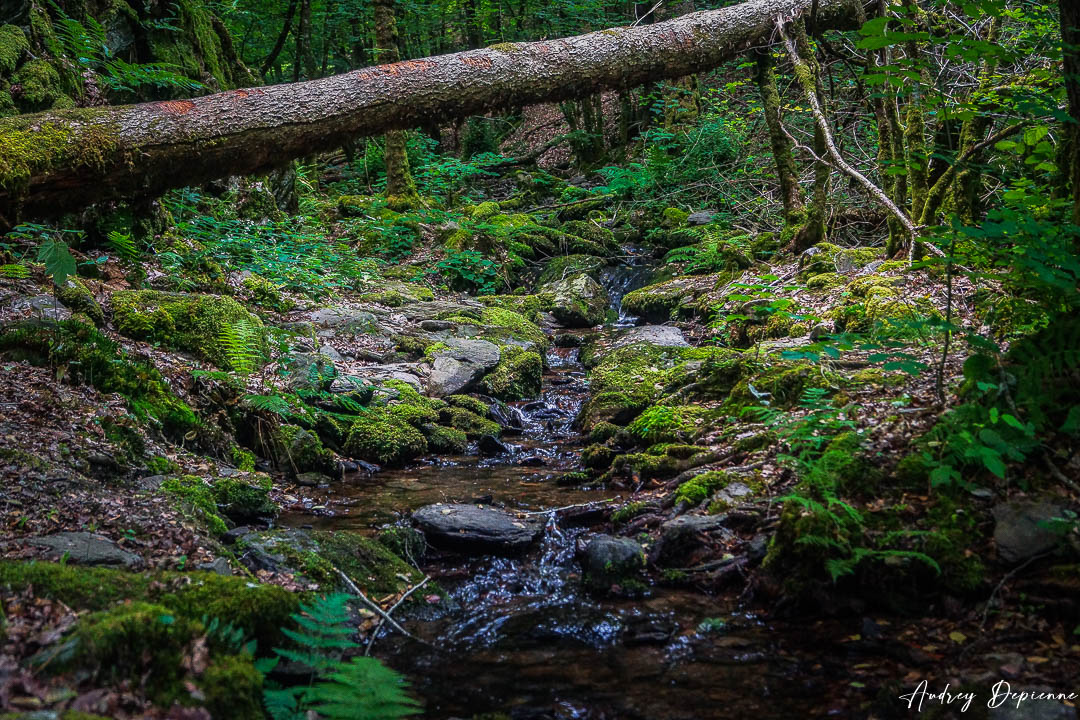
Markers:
{"x": 198, "y": 324}
{"x": 517, "y": 376}
{"x": 260, "y": 609}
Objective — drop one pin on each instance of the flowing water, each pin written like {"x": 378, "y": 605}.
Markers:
{"x": 522, "y": 636}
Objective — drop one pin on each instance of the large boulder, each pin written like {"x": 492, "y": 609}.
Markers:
{"x": 660, "y": 335}
{"x": 518, "y": 375}
{"x": 83, "y": 548}
{"x": 1021, "y": 530}
{"x": 459, "y": 363}
{"x": 476, "y": 529}
{"x": 578, "y": 301}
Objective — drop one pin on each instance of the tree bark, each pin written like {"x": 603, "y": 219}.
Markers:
{"x": 400, "y": 188}
{"x": 1070, "y": 39}
{"x": 57, "y": 161}
{"x": 787, "y": 174}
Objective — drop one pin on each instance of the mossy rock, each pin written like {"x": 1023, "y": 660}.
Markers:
{"x": 827, "y": 281}
{"x": 384, "y": 437}
{"x": 845, "y": 463}
{"x": 827, "y": 257}
{"x": 244, "y": 502}
{"x": 121, "y": 643}
{"x": 528, "y": 306}
{"x": 517, "y": 376}
{"x": 195, "y": 496}
{"x": 508, "y": 326}
{"x": 318, "y": 554}
{"x": 661, "y": 301}
{"x": 566, "y": 266}
{"x": 782, "y": 383}
{"x": 442, "y": 439}
{"x": 39, "y": 86}
{"x": 628, "y": 379}
{"x": 578, "y": 301}
{"x": 76, "y": 297}
{"x": 597, "y": 457}
{"x": 13, "y": 45}
{"x": 261, "y": 610}
{"x": 472, "y": 424}
{"x": 673, "y": 218}
{"x": 593, "y": 235}
{"x": 652, "y": 465}
{"x": 198, "y": 324}
{"x": 297, "y": 450}
{"x": 469, "y": 403}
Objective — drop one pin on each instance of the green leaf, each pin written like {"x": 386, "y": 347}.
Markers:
{"x": 58, "y": 260}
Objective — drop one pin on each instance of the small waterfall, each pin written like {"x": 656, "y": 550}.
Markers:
{"x": 633, "y": 273}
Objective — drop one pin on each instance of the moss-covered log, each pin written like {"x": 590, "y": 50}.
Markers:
{"x": 60, "y": 160}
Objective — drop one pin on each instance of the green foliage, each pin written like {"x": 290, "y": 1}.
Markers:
{"x": 59, "y": 263}
{"x": 361, "y": 687}
{"x": 468, "y": 270}
{"x": 87, "y": 44}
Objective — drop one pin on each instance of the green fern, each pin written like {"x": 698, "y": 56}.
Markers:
{"x": 14, "y": 271}
{"x": 123, "y": 246}
{"x": 238, "y": 340}
{"x": 361, "y": 688}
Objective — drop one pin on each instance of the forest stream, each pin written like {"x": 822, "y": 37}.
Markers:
{"x": 539, "y": 360}
{"x": 523, "y": 634}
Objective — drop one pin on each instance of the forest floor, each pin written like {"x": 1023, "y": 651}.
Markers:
{"x": 154, "y": 422}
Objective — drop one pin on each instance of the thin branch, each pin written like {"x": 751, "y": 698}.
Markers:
{"x": 382, "y": 621}
{"x": 801, "y": 68}
{"x": 378, "y": 610}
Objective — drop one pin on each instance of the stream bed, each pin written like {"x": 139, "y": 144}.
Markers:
{"x": 523, "y": 637}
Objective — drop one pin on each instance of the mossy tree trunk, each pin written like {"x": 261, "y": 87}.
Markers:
{"x": 61, "y": 160}
{"x": 400, "y": 189}
{"x": 813, "y": 230}
{"x": 787, "y": 173}
{"x": 969, "y": 181}
{"x": 1070, "y": 36}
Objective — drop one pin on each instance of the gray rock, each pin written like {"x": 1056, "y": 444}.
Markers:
{"x": 83, "y": 548}
{"x": 579, "y": 301}
{"x": 311, "y": 371}
{"x": 218, "y": 565}
{"x": 45, "y": 307}
{"x": 437, "y": 325}
{"x": 479, "y": 352}
{"x": 312, "y": 479}
{"x": 475, "y": 528}
{"x": 608, "y": 560}
{"x": 328, "y": 351}
{"x": 1019, "y": 531}
{"x": 379, "y": 374}
{"x": 701, "y": 217}
{"x": 662, "y": 335}
{"x": 732, "y": 493}
{"x": 346, "y": 320}
{"x": 684, "y": 534}
{"x": 450, "y": 377}
{"x": 1032, "y": 709}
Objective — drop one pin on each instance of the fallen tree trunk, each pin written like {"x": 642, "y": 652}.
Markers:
{"x": 57, "y": 161}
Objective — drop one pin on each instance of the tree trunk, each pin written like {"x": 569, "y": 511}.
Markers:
{"x": 62, "y": 160}
{"x": 400, "y": 188}
{"x": 1070, "y": 38}
{"x": 786, "y": 173}
{"x": 282, "y": 37}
